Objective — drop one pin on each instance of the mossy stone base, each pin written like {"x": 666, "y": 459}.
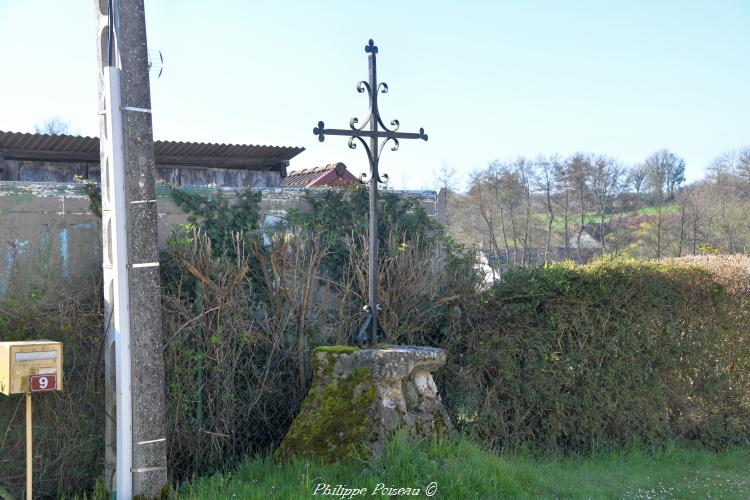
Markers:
{"x": 359, "y": 397}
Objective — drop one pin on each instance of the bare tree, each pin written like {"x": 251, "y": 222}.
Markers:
{"x": 508, "y": 192}
{"x": 665, "y": 172}
{"x": 691, "y": 202}
{"x": 525, "y": 176}
{"x": 53, "y": 126}
{"x": 479, "y": 192}
{"x": 637, "y": 179}
{"x": 546, "y": 184}
{"x": 564, "y": 183}
{"x": 578, "y": 171}
{"x": 445, "y": 177}
{"x": 743, "y": 170}
{"x": 605, "y": 184}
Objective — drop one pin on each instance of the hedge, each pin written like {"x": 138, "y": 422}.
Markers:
{"x": 570, "y": 358}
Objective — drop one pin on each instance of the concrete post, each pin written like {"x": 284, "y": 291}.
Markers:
{"x": 131, "y": 281}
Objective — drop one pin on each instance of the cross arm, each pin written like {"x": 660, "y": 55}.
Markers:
{"x": 321, "y": 132}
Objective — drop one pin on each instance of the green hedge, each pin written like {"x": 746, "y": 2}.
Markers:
{"x": 570, "y": 358}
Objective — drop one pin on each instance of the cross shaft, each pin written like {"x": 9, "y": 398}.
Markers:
{"x": 357, "y": 132}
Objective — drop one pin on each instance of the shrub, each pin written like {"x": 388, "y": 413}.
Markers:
{"x": 236, "y": 345}
{"x": 569, "y": 358}
{"x": 68, "y": 425}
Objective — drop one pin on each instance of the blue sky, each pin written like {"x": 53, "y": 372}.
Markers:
{"x": 486, "y": 80}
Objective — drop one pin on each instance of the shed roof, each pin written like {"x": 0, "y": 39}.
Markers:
{"x": 25, "y": 146}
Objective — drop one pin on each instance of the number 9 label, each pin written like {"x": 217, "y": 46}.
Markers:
{"x": 39, "y": 383}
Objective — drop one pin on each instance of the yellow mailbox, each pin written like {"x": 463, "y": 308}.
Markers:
{"x": 30, "y": 366}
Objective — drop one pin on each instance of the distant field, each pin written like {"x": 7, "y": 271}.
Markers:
{"x": 667, "y": 209}
{"x": 592, "y": 218}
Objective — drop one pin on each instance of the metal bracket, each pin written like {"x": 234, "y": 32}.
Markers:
{"x": 150, "y": 469}
{"x": 153, "y": 441}
{"x": 137, "y": 110}
{"x": 145, "y": 264}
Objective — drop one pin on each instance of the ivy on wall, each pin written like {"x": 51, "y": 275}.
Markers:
{"x": 220, "y": 217}
{"x": 94, "y": 192}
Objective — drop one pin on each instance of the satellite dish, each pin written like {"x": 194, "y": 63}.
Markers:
{"x": 155, "y": 64}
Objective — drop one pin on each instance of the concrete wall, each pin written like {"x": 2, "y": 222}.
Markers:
{"x": 66, "y": 171}
{"x": 48, "y": 237}
{"x": 50, "y": 241}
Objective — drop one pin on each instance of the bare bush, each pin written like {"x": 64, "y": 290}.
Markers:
{"x": 410, "y": 281}
{"x": 236, "y": 339}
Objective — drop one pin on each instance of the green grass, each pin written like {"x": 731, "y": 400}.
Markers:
{"x": 463, "y": 470}
{"x": 666, "y": 209}
{"x": 574, "y": 219}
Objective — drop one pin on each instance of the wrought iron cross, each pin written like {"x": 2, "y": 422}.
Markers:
{"x": 374, "y": 149}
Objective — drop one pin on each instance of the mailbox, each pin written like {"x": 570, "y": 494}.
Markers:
{"x": 30, "y": 366}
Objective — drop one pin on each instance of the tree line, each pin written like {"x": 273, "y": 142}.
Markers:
{"x": 530, "y": 211}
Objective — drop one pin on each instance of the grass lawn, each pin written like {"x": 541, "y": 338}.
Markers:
{"x": 460, "y": 469}
{"x": 592, "y": 218}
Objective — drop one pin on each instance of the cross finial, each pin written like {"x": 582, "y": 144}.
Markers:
{"x": 371, "y": 47}
{"x": 320, "y": 131}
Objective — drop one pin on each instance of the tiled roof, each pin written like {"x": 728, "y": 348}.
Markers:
{"x": 301, "y": 178}
{"x": 332, "y": 174}
{"x": 87, "y": 149}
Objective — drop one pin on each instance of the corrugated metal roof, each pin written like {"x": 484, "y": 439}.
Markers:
{"x": 88, "y": 146}
{"x": 44, "y": 142}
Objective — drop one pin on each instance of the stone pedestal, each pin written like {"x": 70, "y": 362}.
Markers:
{"x": 360, "y": 397}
